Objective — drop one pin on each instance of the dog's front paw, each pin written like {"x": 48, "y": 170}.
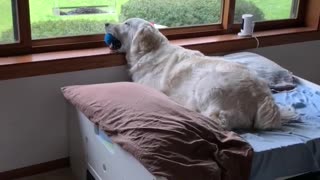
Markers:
{"x": 220, "y": 117}
{"x": 224, "y": 120}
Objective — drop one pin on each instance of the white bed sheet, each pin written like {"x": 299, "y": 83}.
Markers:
{"x": 296, "y": 147}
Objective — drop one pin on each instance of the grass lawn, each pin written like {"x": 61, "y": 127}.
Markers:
{"x": 6, "y": 16}
{"x": 42, "y": 10}
{"x": 274, "y": 9}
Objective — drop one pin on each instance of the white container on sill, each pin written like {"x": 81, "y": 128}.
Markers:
{"x": 247, "y": 25}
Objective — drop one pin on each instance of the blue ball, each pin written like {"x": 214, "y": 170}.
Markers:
{"x": 112, "y": 42}
{"x": 109, "y": 39}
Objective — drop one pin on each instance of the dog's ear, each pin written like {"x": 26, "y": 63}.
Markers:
{"x": 145, "y": 39}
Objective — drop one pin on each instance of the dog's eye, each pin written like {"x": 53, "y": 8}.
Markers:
{"x": 126, "y": 23}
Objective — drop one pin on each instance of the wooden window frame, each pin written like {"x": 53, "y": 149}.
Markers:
{"x": 89, "y": 55}
{"x": 28, "y": 46}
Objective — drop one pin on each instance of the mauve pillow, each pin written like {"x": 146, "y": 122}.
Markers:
{"x": 165, "y": 137}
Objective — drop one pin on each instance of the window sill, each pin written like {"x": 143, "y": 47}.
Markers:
{"x": 75, "y": 60}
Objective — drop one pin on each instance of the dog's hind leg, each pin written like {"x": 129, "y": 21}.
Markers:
{"x": 218, "y": 116}
{"x": 268, "y": 115}
{"x": 229, "y": 119}
{"x": 222, "y": 118}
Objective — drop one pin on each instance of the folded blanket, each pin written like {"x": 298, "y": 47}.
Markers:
{"x": 169, "y": 140}
{"x": 277, "y": 77}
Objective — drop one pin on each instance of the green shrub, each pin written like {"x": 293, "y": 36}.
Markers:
{"x": 48, "y": 29}
{"x": 66, "y": 28}
{"x": 182, "y": 13}
{"x": 173, "y": 13}
{"x": 245, "y": 7}
{"x": 6, "y": 37}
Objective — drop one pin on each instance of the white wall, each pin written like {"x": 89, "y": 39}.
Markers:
{"x": 33, "y": 124}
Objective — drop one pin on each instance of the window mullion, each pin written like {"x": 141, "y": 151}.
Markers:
{"x": 24, "y": 27}
{"x": 228, "y": 14}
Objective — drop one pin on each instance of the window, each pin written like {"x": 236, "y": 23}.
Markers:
{"x": 49, "y": 25}
{"x": 8, "y": 28}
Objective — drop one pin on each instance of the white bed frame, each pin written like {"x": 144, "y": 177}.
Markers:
{"x": 90, "y": 149}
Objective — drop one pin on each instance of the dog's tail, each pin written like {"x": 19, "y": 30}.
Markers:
{"x": 268, "y": 115}
{"x": 272, "y": 116}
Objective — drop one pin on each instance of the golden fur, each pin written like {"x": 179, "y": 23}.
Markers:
{"x": 226, "y": 92}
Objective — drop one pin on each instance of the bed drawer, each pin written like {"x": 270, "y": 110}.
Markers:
{"x": 107, "y": 161}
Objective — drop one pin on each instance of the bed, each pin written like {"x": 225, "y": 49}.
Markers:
{"x": 295, "y": 149}
{"x": 168, "y": 139}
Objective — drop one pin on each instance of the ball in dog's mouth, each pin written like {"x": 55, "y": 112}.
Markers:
{"x": 112, "y": 42}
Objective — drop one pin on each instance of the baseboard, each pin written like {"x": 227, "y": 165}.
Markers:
{"x": 35, "y": 169}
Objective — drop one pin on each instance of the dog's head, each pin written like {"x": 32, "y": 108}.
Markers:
{"x": 136, "y": 35}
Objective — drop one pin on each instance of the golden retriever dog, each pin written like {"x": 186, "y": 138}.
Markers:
{"x": 224, "y": 91}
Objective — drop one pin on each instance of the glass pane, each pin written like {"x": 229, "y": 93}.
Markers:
{"x": 264, "y": 10}
{"x": 7, "y": 21}
{"x": 174, "y": 13}
{"x": 58, "y": 18}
